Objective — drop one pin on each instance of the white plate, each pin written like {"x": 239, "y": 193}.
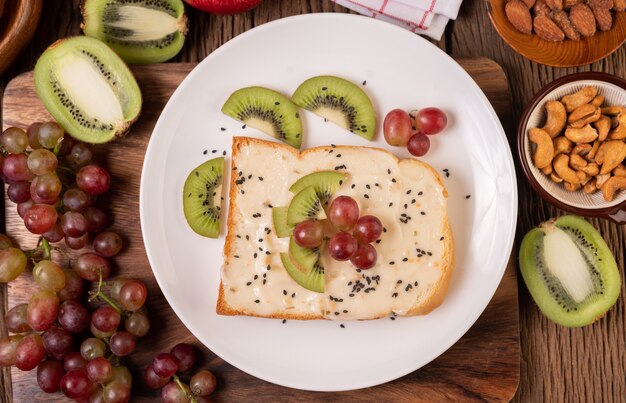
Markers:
{"x": 402, "y": 70}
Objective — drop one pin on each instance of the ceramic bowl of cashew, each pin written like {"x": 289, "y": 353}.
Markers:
{"x": 572, "y": 145}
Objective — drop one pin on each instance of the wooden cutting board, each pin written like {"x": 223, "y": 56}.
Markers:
{"x": 483, "y": 365}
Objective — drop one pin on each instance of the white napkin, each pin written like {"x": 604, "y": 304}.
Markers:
{"x": 425, "y": 17}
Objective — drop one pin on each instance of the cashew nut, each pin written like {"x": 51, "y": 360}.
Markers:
{"x": 613, "y": 110}
{"x": 562, "y": 145}
{"x": 594, "y": 149}
{"x": 610, "y": 155}
{"x": 561, "y": 167}
{"x": 600, "y": 179}
{"x": 572, "y": 187}
{"x": 620, "y": 170}
{"x": 597, "y": 101}
{"x": 619, "y": 132}
{"x": 603, "y": 125}
{"x": 612, "y": 185}
{"x": 584, "y": 114}
{"x": 581, "y": 149}
{"x": 577, "y": 162}
{"x": 585, "y": 134}
{"x": 591, "y": 169}
{"x": 556, "y": 178}
{"x": 583, "y": 96}
{"x": 547, "y": 170}
{"x": 590, "y": 187}
{"x": 555, "y": 122}
{"x": 544, "y": 150}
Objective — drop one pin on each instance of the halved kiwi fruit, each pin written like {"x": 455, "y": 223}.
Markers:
{"x": 268, "y": 111}
{"x": 305, "y": 205}
{"x": 140, "y": 31}
{"x": 279, "y": 218}
{"x": 311, "y": 278}
{"x": 88, "y": 89}
{"x": 324, "y": 182}
{"x": 569, "y": 271}
{"x": 202, "y": 198}
{"x": 339, "y": 101}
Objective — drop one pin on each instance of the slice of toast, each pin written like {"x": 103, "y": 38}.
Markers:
{"x": 415, "y": 250}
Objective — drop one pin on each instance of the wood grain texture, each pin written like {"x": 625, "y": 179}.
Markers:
{"x": 469, "y": 370}
{"x": 18, "y": 21}
{"x": 558, "y": 364}
{"x": 567, "y": 53}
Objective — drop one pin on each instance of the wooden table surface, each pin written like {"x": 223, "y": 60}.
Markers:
{"x": 557, "y": 364}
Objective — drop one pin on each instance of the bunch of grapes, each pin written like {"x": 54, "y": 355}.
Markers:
{"x": 401, "y": 128}
{"x": 55, "y": 183}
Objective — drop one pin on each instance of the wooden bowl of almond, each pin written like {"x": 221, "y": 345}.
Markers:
{"x": 572, "y": 144}
{"x": 560, "y": 33}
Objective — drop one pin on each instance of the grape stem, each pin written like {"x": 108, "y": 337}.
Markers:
{"x": 102, "y": 296}
{"x": 46, "y": 249}
{"x": 191, "y": 398}
{"x": 57, "y": 147}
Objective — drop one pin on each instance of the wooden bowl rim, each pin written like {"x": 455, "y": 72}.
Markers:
{"x": 19, "y": 31}
{"x": 498, "y": 24}
{"x": 611, "y": 213}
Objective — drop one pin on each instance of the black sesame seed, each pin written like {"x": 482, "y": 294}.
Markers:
{"x": 223, "y": 129}
{"x": 405, "y": 259}
{"x": 249, "y": 282}
{"x": 468, "y": 196}
{"x": 393, "y": 180}
{"x": 284, "y": 292}
{"x": 368, "y": 186}
{"x": 256, "y": 276}
{"x": 256, "y": 301}
{"x": 441, "y": 239}
{"x": 224, "y": 152}
{"x": 284, "y": 321}
{"x": 205, "y": 152}
{"x": 390, "y": 204}
{"x": 324, "y": 88}
{"x": 255, "y": 255}
{"x": 366, "y": 196}
{"x": 247, "y": 237}
{"x": 408, "y": 192}
{"x": 353, "y": 186}
{"x": 392, "y": 263}
{"x": 342, "y": 326}
{"x": 213, "y": 151}
{"x": 388, "y": 171}
{"x": 293, "y": 295}
{"x": 378, "y": 241}
{"x": 392, "y": 318}
{"x": 364, "y": 82}
{"x": 243, "y": 127}
{"x": 338, "y": 155}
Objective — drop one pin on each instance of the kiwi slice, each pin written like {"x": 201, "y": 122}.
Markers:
{"x": 303, "y": 258}
{"x": 339, "y": 101}
{"x": 88, "y": 89}
{"x": 324, "y": 182}
{"x": 268, "y": 111}
{"x": 140, "y": 31}
{"x": 279, "y": 218}
{"x": 202, "y": 197}
{"x": 570, "y": 271}
{"x": 311, "y": 278}
{"x": 305, "y": 205}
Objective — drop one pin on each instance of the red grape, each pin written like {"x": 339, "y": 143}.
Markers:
{"x": 116, "y": 286}
{"x": 76, "y": 385}
{"x": 74, "y": 317}
{"x": 96, "y": 219}
{"x": 66, "y": 145}
{"x": 29, "y": 352}
{"x": 14, "y": 140}
{"x": 40, "y": 218}
{"x": 203, "y": 383}
{"x": 58, "y": 342}
{"x": 42, "y": 310}
{"x": 15, "y": 319}
{"x": 172, "y": 393}
{"x": 42, "y": 161}
{"x": 122, "y": 343}
{"x": 164, "y": 365}
{"x": 397, "y": 127}
{"x": 8, "y": 347}
{"x": 152, "y": 380}
{"x": 33, "y": 135}
{"x": 133, "y": 295}
{"x": 78, "y": 242}
{"x": 123, "y": 375}
{"x": 106, "y": 319}
{"x": 116, "y": 392}
{"x": 137, "y": 324}
{"x": 309, "y": 234}
{"x": 12, "y": 264}
{"x": 49, "y": 374}
{"x": 107, "y": 244}
{"x": 74, "y": 224}
{"x": 99, "y": 370}
{"x": 368, "y": 229}
{"x": 49, "y": 134}
{"x": 99, "y": 333}
{"x": 365, "y": 257}
{"x": 80, "y": 155}
{"x": 45, "y": 188}
{"x": 419, "y": 144}
{"x": 343, "y": 213}
{"x": 342, "y": 246}
{"x": 89, "y": 266}
{"x": 92, "y": 348}
{"x": 93, "y": 179}
{"x": 15, "y": 168}
{"x": 185, "y": 356}
{"x": 19, "y": 192}
{"x": 55, "y": 234}
{"x": 22, "y": 208}
{"x": 73, "y": 360}
{"x": 431, "y": 120}
{"x": 73, "y": 286}
{"x": 76, "y": 200}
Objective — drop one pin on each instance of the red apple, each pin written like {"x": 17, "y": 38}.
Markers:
{"x": 223, "y": 6}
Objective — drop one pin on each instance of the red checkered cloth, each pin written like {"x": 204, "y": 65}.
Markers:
{"x": 426, "y": 17}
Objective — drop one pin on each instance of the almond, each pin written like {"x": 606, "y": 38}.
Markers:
{"x": 582, "y": 19}
{"x": 562, "y": 20}
{"x": 619, "y": 5}
{"x": 567, "y": 4}
{"x": 529, "y": 3}
{"x": 547, "y": 30}
{"x": 519, "y": 16}
{"x": 608, "y": 4}
{"x": 555, "y": 4}
{"x": 604, "y": 19}
{"x": 541, "y": 8}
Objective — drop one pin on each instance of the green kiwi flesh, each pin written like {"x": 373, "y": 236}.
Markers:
{"x": 339, "y": 101}
{"x": 305, "y": 205}
{"x": 569, "y": 271}
{"x": 310, "y": 278}
{"x": 88, "y": 89}
{"x": 202, "y": 196}
{"x": 268, "y": 111}
{"x": 303, "y": 258}
{"x": 140, "y": 31}
{"x": 324, "y": 182}
{"x": 279, "y": 218}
